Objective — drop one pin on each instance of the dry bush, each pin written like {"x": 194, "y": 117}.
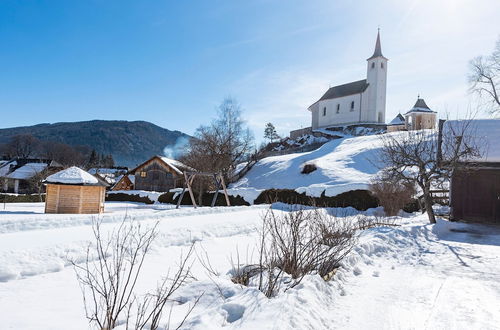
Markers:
{"x": 392, "y": 194}
{"x": 110, "y": 271}
{"x": 309, "y": 168}
{"x": 295, "y": 244}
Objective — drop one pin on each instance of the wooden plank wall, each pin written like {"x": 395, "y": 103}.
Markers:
{"x": 74, "y": 199}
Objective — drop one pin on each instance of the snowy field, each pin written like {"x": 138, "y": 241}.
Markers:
{"x": 413, "y": 276}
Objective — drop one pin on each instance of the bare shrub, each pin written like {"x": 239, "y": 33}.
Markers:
{"x": 309, "y": 168}
{"x": 393, "y": 194}
{"x": 110, "y": 271}
{"x": 295, "y": 244}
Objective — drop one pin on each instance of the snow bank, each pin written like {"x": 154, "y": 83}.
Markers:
{"x": 152, "y": 195}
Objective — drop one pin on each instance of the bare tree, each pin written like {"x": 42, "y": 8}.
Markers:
{"x": 426, "y": 158}
{"x": 484, "y": 78}
{"x": 23, "y": 146}
{"x": 62, "y": 153}
{"x": 220, "y": 146}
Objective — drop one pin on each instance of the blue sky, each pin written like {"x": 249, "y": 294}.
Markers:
{"x": 173, "y": 62}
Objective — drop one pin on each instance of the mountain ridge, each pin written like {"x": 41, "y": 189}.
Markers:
{"x": 130, "y": 142}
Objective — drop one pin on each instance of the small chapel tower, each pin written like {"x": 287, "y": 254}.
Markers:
{"x": 376, "y": 77}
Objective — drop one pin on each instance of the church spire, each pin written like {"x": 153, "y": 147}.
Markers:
{"x": 378, "y": 48}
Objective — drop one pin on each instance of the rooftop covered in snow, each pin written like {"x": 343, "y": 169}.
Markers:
{"x": 74, "y": 176}
{"x": 27, "y": 171}
{"x": 483, "y": 133}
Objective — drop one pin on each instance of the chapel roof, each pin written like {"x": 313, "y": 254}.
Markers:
{"x": 354, "y": 87}
{"x": 420, "y": 106}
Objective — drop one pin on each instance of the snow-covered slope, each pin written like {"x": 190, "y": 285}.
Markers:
{"x": 342, "y": 165}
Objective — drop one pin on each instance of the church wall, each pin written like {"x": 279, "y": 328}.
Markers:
{"x": 345, "y": 115}
{"x": 315, "y": 115}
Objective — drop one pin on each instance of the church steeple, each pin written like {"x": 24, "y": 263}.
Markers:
{"x": 378, "y": 47}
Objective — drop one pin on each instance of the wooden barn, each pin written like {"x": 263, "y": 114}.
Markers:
{"x": 74, "y": 191}
{"x": 159, "y": 174}
{"x": 475, "y": 188}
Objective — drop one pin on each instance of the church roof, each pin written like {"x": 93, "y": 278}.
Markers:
{"x": 420, "y": 106}
{"x": 354, "y": 87}
{"x": 399, "y": 120}
{"x": 378, "y": 48}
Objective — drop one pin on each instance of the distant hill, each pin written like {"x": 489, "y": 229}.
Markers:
{"x": 130, "y": 142}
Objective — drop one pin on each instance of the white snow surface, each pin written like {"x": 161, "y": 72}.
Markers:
{"x": 342, "y": 165}
{"x": 72, "y": 175}
{"x": 413, "y": 276}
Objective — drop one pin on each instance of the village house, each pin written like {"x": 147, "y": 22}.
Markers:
{"x": 24, "y": 176}
{"x": 126, "y": 182}
{"x": 159, "y": 174}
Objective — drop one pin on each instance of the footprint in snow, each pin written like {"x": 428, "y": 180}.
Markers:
{"x": 376, "y": 273}
{"x": 234, "y": 312}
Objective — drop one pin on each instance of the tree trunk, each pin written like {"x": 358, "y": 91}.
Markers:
{"x": 428, "y": 206}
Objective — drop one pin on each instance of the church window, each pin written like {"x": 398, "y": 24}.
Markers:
{"x": 324, "y": 111}
{"x": 338, "y": 108}
{"x": 352, "y": 105}
{"x": 373, "y": 65}
{"x": 382, "y": 65}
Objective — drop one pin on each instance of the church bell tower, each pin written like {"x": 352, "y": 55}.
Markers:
{"x": 376, "y": 77}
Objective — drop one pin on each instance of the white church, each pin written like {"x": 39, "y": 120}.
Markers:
{"x": 357, "y": 102}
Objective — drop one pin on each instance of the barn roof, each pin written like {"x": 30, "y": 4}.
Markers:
{"x": 485, "y": 134}
{"x": 74, "y": 176}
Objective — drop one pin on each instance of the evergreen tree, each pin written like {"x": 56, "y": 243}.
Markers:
{"x": 270, "y": 132}
{"x": 93, "y": 159}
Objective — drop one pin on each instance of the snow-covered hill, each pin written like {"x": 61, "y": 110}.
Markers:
{"x": 342, "y": 165}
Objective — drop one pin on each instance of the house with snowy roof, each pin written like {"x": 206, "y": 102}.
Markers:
{"x": 159, "y": 174}
{"x": 22, "y": 176}
{"x": 357, "y": 102}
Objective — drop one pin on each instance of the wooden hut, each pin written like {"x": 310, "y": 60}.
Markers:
{"x": 74, "y": 191}
{"x": 475, "y": 187}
